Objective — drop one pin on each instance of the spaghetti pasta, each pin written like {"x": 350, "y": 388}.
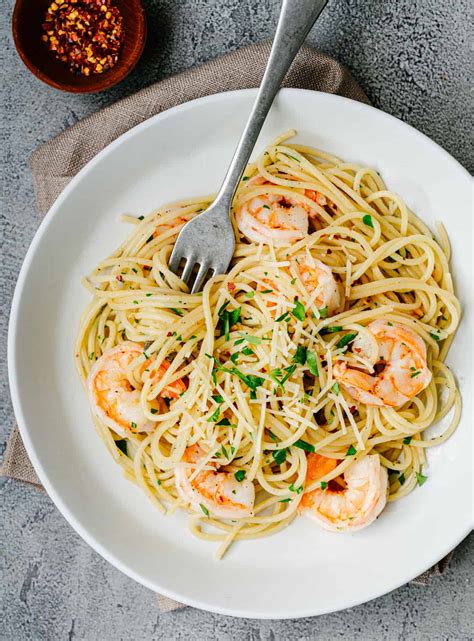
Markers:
{"x": 280, "y": 359}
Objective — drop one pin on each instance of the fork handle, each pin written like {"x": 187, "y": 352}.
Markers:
{"x": 296, "y": 19}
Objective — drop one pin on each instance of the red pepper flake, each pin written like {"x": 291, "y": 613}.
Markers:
{"x": 119, "y": 277}
{"x": 352, "y": 409}
{"x": 84, "y": 34}
{"x": 231, "y": 287}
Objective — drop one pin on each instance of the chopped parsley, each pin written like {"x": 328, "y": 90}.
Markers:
{"x": 312, "y": 364}
{"x": 367, "y": 219}
{"x": 247, "y": 351}
{"x": 133, "y": 425}
{"x": 249, "y": 294}
{"x": 214, "y": 416}
{"x": 415, "y": 374}
{"x": 331, "y": 329}
{"x": 351, "y": 451}
{"x": 223, "y": 421}
{"x": 153, "y": 410}
{"x": 335, "y": 388}
{"x": 345, "y": 340}
{"x": 253, "y": 340}
{"x": 179, "y": 312}
{"x": 204, "y": 509}
{"x": 401, "y": 479}
{"x": 298, "y": 310}
{"x": 282, "y": 317}
{"x": 235, "y": 358}
{"x": 300, "y": 355}
{"x": 122, "y": 445}
{"x": 298, "y": 490}
{"x": 420, "y": 478}
{"x": 284, "y": 500}
{"x": 407, "y": 440}
{"x": 217, "y": 398}
{"x": 266, "y": 291}
{"x": 240, "y": 475}
{"x": 290, "y": 156}
{"x": 435, "y": 336}
{"x": 272, "y": 435}
{"x": 323, "y": 485}
{"x": 141, "y": 217}
{"x": 227, "y": 319}
{"x": 304, "y": 445}
{"x": 280, "y": 378}
{"x": 323, "y": 312}
{"x": 149, "y": 294}
{"x": 279, "y": 456}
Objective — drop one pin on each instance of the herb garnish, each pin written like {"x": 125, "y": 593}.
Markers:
{"x": 214, "y": 416}
{"x": 351, "y": 451}
{"x": 282, "y": 317}
{"x": 345, "y": 340}
{"x": 323, "y": 485}
{"x": 227, "y": 319}
{"x": 300, "y": 355}
{"x": 335, "y": 388}
{"x": 204, "y": 509}
{"x": 122, "y": 445}
{"x": 407, "y": 440}
{"x": 367, "y": 219}
{"x": 298, "y": 310}
{"x": 298, "y": 490}
{"x": 312, "y": 364}
{"x": 240, "y": 475}
{"x": 304, "y": 445}
{"x": 279, "y": 456}
{"x": 420, "y": 478}
{"x": 331, "y": 330}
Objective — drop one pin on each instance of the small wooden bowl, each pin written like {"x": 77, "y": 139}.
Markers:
{"x": 27, "y": 20}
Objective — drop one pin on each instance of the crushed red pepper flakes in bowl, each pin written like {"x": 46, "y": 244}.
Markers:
{"x": 84, "y": 34}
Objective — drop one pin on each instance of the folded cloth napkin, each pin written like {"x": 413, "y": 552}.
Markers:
{"x": 57, "y": 161}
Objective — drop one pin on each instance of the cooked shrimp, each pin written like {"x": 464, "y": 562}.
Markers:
{"x": 180, "y": 220}
{"x": 318, "y": 277}
{"x": 318, "y": 466}
{"x": 220, "y": 493}
{"x": 355, "y": 506}
{"x": 318, "y": 198}
{"x": 270, "y": 217}
{"x": 405, "y": 373}
{"x": 113, "y": 398}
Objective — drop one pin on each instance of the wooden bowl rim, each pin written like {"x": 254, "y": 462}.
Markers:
{"x": 106, "y": 83}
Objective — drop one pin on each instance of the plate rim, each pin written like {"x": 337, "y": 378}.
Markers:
{"x": 14, "y": 384}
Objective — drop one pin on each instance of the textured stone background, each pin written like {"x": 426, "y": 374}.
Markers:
{"x": 411, "y": 58}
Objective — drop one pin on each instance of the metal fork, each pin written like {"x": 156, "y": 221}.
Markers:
{"x": 206, "y": 243}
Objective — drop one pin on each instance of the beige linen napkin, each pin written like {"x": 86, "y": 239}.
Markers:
{"x": 57, "y": 161}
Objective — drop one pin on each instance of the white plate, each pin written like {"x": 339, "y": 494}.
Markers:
{"x": 303, "y": 570}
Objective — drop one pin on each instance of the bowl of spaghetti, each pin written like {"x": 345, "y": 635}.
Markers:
{"x": 303, "y": 412}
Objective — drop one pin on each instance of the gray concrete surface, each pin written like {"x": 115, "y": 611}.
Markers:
{"x": 411, "y": 58}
